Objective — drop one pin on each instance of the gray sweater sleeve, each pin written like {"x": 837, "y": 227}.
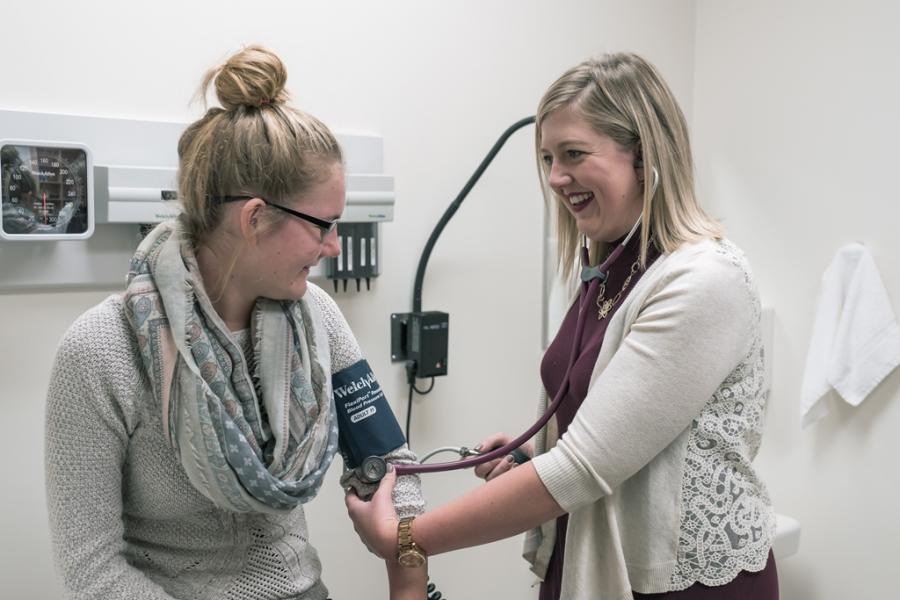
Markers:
{"x": 86, "y": 437}
{"x": 345, "y": 351}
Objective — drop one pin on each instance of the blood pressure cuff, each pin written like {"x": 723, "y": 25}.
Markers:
{"x": 366, "y": 424}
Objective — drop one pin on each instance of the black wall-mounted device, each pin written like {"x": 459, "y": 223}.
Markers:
{"x": 421, "y": 337}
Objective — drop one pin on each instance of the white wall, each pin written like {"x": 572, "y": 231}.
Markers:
{"x": 796, "y": 123}
{"x": 440, "y": 81}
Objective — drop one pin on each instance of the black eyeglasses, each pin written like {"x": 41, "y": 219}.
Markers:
{"x": 325, "y": 227}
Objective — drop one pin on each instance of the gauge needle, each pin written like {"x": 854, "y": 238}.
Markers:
{"x": 44, "y": 195}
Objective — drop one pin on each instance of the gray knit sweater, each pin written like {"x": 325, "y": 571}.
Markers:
{"x": 126, "y": 521}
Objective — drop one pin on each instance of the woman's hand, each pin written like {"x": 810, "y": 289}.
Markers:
{"x": 495, "y": 468}
{"x": 376, "y": 521}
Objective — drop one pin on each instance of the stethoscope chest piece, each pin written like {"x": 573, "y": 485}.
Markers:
{"x": 588, "y": 274}
{"x": 372, "y": 469}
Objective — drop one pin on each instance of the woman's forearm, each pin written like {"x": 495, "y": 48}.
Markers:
{"x": 406, "y": 583}
{"x": 503, "y": 507}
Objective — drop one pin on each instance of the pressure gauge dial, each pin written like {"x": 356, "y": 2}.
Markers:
{"x": 47, "y": 191}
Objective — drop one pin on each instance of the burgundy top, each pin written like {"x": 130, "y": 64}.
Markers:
{"x": 746, "y": 586}
{"x": 553, "y": 369}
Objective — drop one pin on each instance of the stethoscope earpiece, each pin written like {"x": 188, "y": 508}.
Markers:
{"x": 655, "y": 185}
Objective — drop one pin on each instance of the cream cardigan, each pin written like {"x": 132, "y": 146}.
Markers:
{"x": 655, "y": 469}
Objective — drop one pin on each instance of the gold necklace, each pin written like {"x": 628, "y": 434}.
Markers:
{"x": 606, "y": 304}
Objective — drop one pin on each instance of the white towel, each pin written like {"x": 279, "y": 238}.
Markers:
{"x": 855, "y": 341}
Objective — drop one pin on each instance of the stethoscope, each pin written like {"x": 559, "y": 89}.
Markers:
{"x": 373, "y": 468}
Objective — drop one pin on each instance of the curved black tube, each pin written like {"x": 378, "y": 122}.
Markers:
{"x": 426, "y": 253}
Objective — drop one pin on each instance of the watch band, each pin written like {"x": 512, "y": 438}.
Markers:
{"x": 408, "y": 553}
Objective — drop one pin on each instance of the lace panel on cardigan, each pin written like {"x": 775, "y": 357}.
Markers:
{"x": 726, "y": 512}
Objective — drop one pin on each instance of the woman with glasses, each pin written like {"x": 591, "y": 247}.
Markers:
{"x": 190, "y": 417}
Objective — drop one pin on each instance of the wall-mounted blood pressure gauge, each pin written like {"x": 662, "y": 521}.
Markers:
{"x": 47, "y": 191}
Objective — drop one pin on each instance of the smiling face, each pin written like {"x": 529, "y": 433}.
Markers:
{"x": 285, "y": 254}
{"x": 592, "y": 175}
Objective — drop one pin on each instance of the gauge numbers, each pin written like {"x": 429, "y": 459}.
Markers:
{"x": 47, "y": 191}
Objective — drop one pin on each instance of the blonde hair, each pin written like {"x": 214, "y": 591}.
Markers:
{"x": 623, "y": 96}
{"x": 254, "y": 144}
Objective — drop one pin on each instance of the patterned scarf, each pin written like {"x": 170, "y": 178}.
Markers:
{"x": 248, "y": 441}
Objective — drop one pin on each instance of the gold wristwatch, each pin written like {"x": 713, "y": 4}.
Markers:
{"x": 408, "y": 553}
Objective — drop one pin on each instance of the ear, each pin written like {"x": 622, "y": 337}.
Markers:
{"x": 638, "y": 158}
{"x": 639, "y": 162}
{"x": 250, "y": 218}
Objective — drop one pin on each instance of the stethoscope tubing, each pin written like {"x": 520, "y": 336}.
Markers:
{"x": 588, "y": 290}
{"x": 474, "y": 461}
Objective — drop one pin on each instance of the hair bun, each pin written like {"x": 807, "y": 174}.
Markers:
{"x": 255, "y": 76}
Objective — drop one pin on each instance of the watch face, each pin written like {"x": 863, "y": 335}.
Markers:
{"x": 45, "y": 191}
{"x": 411, "y": 559}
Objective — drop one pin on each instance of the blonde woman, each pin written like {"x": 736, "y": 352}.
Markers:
{"x": 190, "y": 417}
{"x": 642, "y": 485}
